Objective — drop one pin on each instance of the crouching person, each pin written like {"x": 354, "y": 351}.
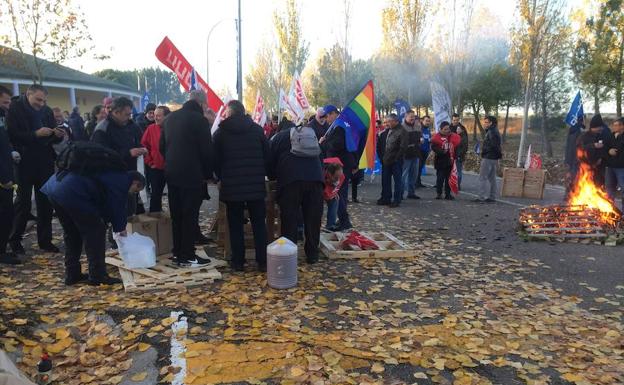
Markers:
{"x": 84, "y": 205}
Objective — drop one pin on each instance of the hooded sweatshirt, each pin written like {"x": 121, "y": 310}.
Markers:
{"x": 241, "y": 159}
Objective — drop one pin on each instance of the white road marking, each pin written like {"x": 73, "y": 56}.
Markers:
{"x": 178, "y": 348}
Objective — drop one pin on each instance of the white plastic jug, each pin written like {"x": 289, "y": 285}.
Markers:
{"x": 282, "y": 264}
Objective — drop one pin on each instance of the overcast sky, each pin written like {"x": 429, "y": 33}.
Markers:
{"x": 130, "y": 31}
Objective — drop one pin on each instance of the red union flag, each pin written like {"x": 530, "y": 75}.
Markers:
{"x": 300, "y": 97}
{"x": 259, "y": 115}
{"x": 170, "y": 56}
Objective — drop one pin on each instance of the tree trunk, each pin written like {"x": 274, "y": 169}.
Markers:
{"x": 596, "y": 101}
{"x": 618, "y": 84}
{"x": 504, "y": 138}
{"x": 525, "y": 123}
{"x": 546, "y": 145}
{"x": 475, "y": 111}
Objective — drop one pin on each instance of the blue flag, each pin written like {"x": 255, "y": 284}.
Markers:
{"x": 144, "y": 100}
{"x": 576, "y": 111}
{"x": 402, "y": 107}
{"x": 194, "y": 83}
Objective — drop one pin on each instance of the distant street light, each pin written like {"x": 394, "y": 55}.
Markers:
{"x": 208, "y": 50}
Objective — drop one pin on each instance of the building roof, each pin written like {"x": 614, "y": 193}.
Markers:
{"x": 18, "y": 66}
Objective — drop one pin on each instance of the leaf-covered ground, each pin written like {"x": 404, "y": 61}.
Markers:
{"x": 468, "y": 310}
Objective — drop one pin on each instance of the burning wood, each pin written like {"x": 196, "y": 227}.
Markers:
{"x": 589, "y": 213}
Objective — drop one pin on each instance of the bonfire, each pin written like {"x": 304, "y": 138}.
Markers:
{"x": 588, "y": 214}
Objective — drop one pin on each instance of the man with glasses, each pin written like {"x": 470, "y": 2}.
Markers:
{"x": 119, "y": 133}
{"x": 319, "y": 123}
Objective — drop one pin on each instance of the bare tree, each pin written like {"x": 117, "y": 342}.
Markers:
{"x": 536, "y": 18}
{"x": 54, "y": 30}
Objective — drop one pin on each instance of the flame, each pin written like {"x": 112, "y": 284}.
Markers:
{"x": 586, "y": 193}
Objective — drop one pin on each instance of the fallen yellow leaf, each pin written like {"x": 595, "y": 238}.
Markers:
{"x": 377, "y": 368}
{"x": 143, "y": 346}
{"x": 139, "y": 377}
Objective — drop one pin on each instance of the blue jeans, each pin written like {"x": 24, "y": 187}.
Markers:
{"x": 615, "y": 178}
{"x": 332, "y": 213}
{"x": 410, "y": 171}
{"x": 391, "y": 172}
{"x": 459, "y": 163}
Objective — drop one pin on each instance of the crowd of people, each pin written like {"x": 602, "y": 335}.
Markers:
{"x": 310, "y": 163}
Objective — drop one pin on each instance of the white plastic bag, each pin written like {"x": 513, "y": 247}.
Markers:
{"x": 137, "y": 251}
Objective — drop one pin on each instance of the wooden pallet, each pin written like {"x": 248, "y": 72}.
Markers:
{"x": 389, "y": 247}
{"x": 165, "y": 275}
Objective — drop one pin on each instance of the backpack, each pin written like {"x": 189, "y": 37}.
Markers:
{"x": 303, "y": 142}
{"x": 88, "y": 159}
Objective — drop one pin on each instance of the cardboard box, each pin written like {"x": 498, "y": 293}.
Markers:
{"x": 143, "y": 225}
{"x": 534, "y": 184}
{"x": 164, "y": 242}
{"x": 513, "y": 182}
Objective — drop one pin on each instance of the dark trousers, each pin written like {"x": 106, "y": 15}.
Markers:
{"x": 81, "y": 228}
{"x": 442, "y": 180}
{"x": 23, "y": 205}
{"x": 306, "y": 197}
{"x": 343, "y": 193}
{"x": 236, "y": 222}
{"x": 148, "y": 178}
{"x": 157, "y": 179}
{"x": 6, "y": 217}
{"x": 423, "y": 163}
{"x": 184, "y": 203}
{"x": 388, "y": 173}
{"x": 356, "y": 179}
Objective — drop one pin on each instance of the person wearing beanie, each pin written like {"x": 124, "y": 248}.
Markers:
{"x": 595, "y": 144}
{"x": 147, "y": 117}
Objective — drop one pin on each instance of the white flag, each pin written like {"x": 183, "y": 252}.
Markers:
{"x": 286, "y": 104}
{"x": 441, "y": 102}
{"x": 527, "y": 162}
{"x": 259, "y": 115}
{"x": 299, "y": 95}
{"x": 220, "y": 114}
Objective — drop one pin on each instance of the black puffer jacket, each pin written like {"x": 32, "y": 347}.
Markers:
{"x": 492, "y": 144}
{"x": 37, "y": 153}
{"x": 617, "y": 161}
{"x": 186, "y": 145}
{"x": 6, "y": 160}
{"x": 119, "y": 138}
{"x": 241, "y": 159}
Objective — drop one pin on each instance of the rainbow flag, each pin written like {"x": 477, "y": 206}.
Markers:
{"x": 357, "y": 120}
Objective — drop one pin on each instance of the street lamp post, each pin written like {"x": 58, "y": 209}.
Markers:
{"x": 208, "y": 50}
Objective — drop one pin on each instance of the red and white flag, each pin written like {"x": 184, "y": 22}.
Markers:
{"x": 298, "y": 93}
{"x": 259, "y": 114}
{"x": 286, "y": 104}
{"x": 454, "y": 180}
{"x": 220, "y": 115}
{"x": 169, "y": 55}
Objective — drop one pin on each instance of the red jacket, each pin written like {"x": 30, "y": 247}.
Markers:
{"x": 151, "y": 141}
{"x": 330, "y": 188}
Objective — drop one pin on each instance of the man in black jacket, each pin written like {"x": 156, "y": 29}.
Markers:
{"x": 334, "y": 144}
{"x": 391, "y": 150}
{"x": 186, "y": 145}
{"x": 299, "y": 190}
{"x": 490, "y": 154}
{"x": 241, "y": 160}
{"x": 595, "y": 144}
{"x": 6, "y": 181}
{"x": 30, "y": 125}
{"x": 615, "y": 160}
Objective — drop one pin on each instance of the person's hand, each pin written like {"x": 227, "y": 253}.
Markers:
{"x": 321, "y": 140}
{"x": 136, "y": 152}
{"x": 459, "y": 130}
{"x": 44, "y": 131}
{"x": 7, "y": 186}
{"x": 16, "y": 156}
{"x": 59, "y": 132}
{"x": 598, "y": 145}
{"x": 613, "y": 152}
{"x": 122, "y": 233}
{"x": 422, "y": 140}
